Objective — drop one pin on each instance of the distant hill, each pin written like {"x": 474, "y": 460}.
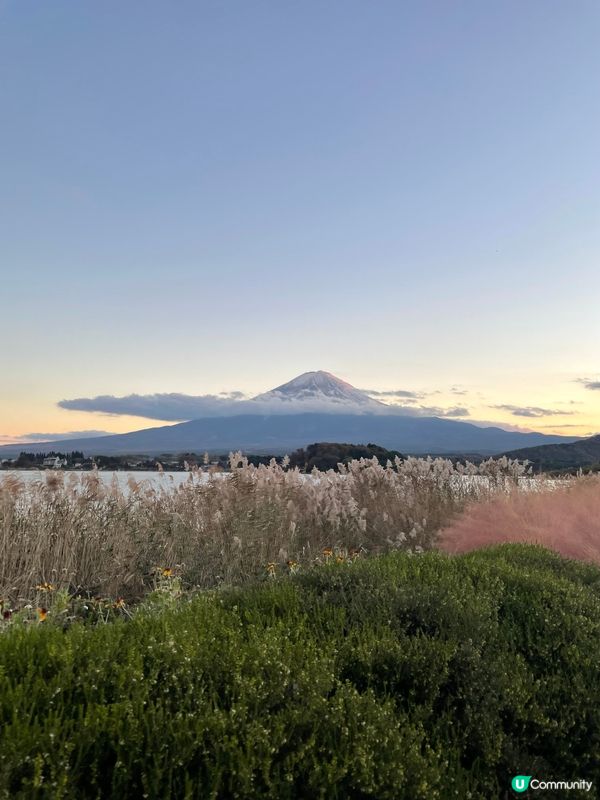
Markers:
{"x": 565, "y": 456}
{"x": 327, "y": 455}
{"x": 284, "y": 433}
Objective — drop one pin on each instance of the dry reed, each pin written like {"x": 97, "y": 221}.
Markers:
{"x": 76, "y": 533}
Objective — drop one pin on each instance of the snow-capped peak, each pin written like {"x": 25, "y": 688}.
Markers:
{"x": 319, "y": 391}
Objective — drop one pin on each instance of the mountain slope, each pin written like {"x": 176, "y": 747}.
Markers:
{"x": 280, "y": 433}
{"x": 583, "y": 453}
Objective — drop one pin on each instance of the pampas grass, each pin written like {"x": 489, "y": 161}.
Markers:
{"x": 78, "y": 534}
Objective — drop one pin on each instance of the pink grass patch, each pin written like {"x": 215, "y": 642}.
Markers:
{"x": 566, "y": 520}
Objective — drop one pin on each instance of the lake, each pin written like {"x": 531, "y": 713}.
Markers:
{"x": 152, "y": 478}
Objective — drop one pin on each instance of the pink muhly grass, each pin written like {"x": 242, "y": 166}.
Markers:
{"x": 565, "y": 519}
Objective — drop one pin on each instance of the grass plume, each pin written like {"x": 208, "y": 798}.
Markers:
{"x": 83, "y": 535}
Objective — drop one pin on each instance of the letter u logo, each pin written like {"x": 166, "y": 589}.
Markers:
{"x": 520, "y": 782}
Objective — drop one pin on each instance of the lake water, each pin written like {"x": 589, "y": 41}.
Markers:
{"x": 153, "y": 478}
{"x": 167, "y": 480}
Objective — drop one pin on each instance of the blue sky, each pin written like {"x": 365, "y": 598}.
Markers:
{"x": 200, "y": 197}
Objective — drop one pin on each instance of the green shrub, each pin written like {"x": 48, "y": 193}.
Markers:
{"x": 396, "y": 677}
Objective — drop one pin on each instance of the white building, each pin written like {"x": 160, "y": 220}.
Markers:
{"x": 54, "y": 462}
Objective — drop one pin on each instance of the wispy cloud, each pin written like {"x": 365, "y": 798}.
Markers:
{"x": 30, "y": 438}
{"x": 531, "y": 411}
{"x": 428, "y": 411}
{"x": 410, "y": 395}
{"x": 402, "y": 393}
{"x": 436, "y": 411}
{"x": 562, "y": 425}
{"x": 593, "y": 385}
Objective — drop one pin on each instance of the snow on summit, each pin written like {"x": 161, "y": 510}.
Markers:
{"x": 319, "y": 391}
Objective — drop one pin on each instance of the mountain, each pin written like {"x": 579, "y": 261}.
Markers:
{"x": 283, "y": 433}
{"x": 319, "y": 392}
{"x": 314, "y": 407}
{"x": 569, "y": 456}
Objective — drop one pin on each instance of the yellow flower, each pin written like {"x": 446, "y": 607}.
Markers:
{"x": 167, "y": 572}
{"x": 119, "y": 603}
{"x": 271, "y": 568}
{"x": 45, "y": 587}
{"x": 42, "y": 614}
{"x": 327, "y": 552}
{"x": 354, "y": 553}
{"x": 340, "y": 559}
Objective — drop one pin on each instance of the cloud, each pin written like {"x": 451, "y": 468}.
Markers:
{"x": 593, "y": 385}
{"x": 167, "y": 407}
{"x": 30, "y": 438}
{"x": 562, "y": 425}
{"x": 412, "y": 396}
{"x": 436, "y": 411}
{"x": 182, "y": 407}
{"x": 395, "y": 393}
{"x": 531, "y": 411}
{"x": 427, "y": 411}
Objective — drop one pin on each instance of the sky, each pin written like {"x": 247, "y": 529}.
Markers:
{"x": 212, "y": 197}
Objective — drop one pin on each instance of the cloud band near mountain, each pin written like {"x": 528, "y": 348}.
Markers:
{"x": 171, "y": 407}
{"x": 175, "y": 407}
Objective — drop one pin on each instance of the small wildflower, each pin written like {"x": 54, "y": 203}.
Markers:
{"x": 271, "y": 569}
{"x": 292, "y": 566}
{"x": 340, "y": 559}
{"x": 119, "y": 603}
{"x": 354, "y": 554}
{"x": 167, "y": 572}
{"x": 327, "y": 552}
{"x": 45, "y": 587}
{"x": 42, "y": 614}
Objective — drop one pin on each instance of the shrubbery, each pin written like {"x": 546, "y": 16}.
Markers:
{"x": 397, "y": 677}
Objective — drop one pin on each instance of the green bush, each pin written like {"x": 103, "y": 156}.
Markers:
{"x": 397, "y": 677}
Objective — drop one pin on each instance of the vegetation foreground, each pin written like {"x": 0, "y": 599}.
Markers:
{"x": 88, "y": 539}
{"x": 402, "y": 676}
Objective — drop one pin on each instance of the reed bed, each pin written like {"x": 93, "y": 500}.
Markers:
{"x": 71, "y": 533}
